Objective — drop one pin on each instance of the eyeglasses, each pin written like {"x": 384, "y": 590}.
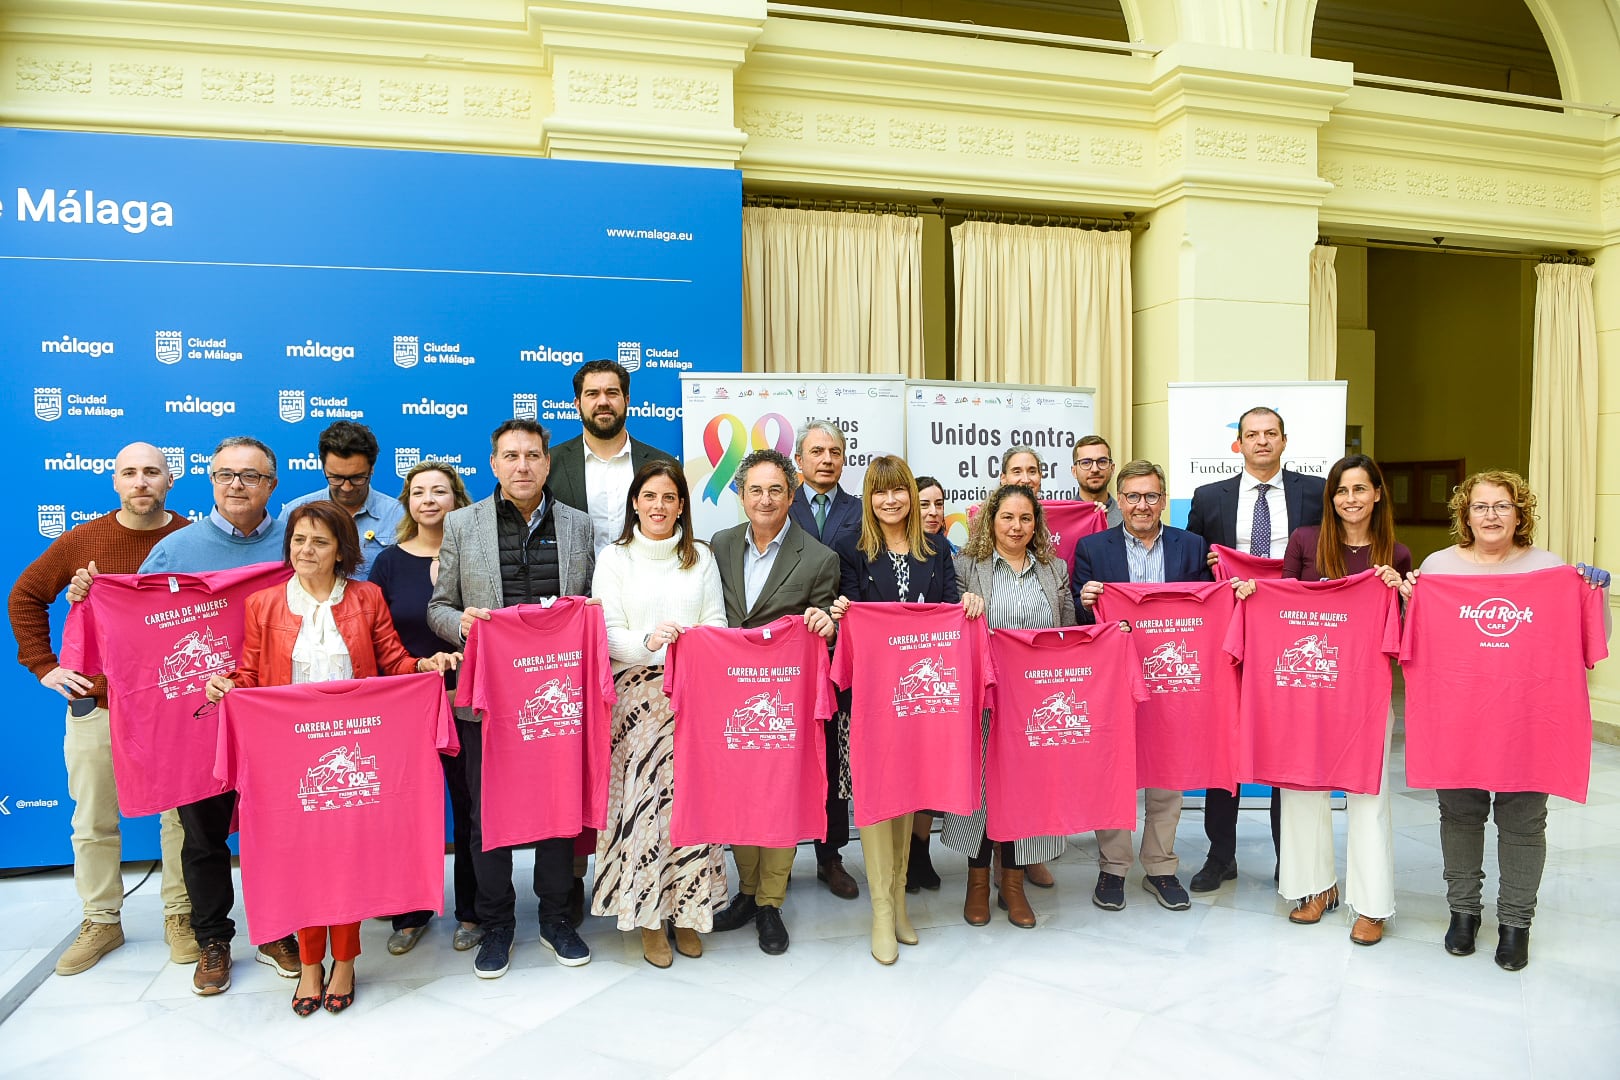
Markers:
{"x": 775, "y": 491}
{"x": 1501, "y": 509}
{"x": 1149, "y": 498}
{"x": 1089, "y": 463}
{"x": 358, "y": 480}
{"x": 227, "y": 477}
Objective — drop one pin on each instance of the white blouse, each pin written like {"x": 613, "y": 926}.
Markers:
{"x": 319, "y": 654}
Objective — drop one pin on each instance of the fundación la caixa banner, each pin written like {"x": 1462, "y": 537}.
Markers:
{"x": 177, "y": 291}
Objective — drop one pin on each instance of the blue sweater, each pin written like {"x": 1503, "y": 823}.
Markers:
{"x": 212, "y": 548}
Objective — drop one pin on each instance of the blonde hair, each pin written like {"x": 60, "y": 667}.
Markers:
{"x": 885, "y": 473}
{"x": 407, "y": 526}
{"x": 1524, "y": 502}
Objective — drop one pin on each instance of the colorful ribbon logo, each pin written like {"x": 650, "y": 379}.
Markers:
{"x": 726, "y": 441}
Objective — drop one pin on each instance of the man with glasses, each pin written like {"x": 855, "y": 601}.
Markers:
{"x": 1142, "y": 549}
{"x": 348, "y": 453}
{"x": 1093, "y": 468}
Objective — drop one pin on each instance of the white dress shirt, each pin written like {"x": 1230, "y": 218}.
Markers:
{"x": 1279, "y": 512}
{"x": 607, "y": 485}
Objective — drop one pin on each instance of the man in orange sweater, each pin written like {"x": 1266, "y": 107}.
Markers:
{"x": 115, "y": 543}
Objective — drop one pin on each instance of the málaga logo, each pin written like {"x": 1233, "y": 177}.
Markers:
{"x": 764, "y": 722}
{"x": 554, "y": 709}
{"x": 52, "y": 520}
{"x": 48, "y": 402}
{"x": 1309, "y": 662}
{"x": 1171, "y": 668}
{"x": 407, "y": 350}
{"x": 291, "y": 406}
{"x": 175, "y": 457}
{"x": 630, "y": 355}
{"x": 166, "y": 346}
{"x": 340, "y": 778}
{"x": 928, "y": 686}
{"x": 525, "y": 406}
{"x": 1497, "y": 617}
{"x": 406, "y": 458}
{"x": 193, "y": 659}
{"x": 1061, "y": 720}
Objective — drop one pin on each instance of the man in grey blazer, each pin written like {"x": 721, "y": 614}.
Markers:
{"x": 770, "y": 567}
{"x": 518, "y": 546}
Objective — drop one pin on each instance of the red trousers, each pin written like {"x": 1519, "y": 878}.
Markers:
{"x": 312, "y": 943}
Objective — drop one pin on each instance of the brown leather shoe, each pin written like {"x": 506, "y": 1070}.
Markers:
{"x": 655, "y": 948}
{"x": 1038, "y": 875}
{"x": 688, "y": 942}
{"x": 1011, "y": 898}
{"x": 1367, "y": 931}
{"x": 1311, "y": 909}
{"x": 213, "y": 972}
{"x": 839, "y": 883}
{"x": 976, "y": 907}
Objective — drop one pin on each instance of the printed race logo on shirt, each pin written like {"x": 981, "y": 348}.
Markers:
{"x": 193, "y": 659}
{"x": 1496, "y": 618}
{"x": 1172, "y": 668}
{"x": 553, "y": 709}
{"x": 765, "y": 722}
{"x": 341, "y": 778}
{"x": 1060, "y": 720}
{"x": 1309, "y": 662}
{"x": 928, "y": 686}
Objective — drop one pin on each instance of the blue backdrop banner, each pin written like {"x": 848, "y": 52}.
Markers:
{"x": 177, "y": 291}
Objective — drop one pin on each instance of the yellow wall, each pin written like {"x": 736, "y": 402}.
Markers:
{"x": 1453, "y": 364}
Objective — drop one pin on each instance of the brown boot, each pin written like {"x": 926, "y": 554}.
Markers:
{"x": 655, "y": 948}
{"x": 1011, "y": 897}
{"x": 688, "y": 942}
{"x": 976, "y": 908}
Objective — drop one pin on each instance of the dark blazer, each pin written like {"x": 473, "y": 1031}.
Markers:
{"x": 933, "y": 581}
{"x": 804, "y": 575}
{"x": 843, "y": 517}
{"x": 567, "y": 480}
{"x": 1214, "y": 506}
{"x": 1101, "y": 557}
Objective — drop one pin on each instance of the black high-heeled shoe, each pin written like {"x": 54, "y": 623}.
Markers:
{"x": 336, "y": 1003}
{"x": 306, "y": 1006}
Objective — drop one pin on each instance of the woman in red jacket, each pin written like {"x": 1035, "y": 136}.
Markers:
{"x": 322, "y": 627}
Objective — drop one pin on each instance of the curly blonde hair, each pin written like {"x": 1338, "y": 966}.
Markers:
{"x": 1524, "y": 502}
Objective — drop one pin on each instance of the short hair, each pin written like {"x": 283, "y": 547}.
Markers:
{"x": 1089, "y": 440}
{"x": 1282, "y": 428}
{"x": 817, "y": 425}
{"x": 1015, "y": 451}
{"x": 528, "y": 427}
{"x": 1524, "y": 502}
{"x": 341, "y": 524}
{"x": 458, "y": 490}
{"x": 247, "y": 440}
{"x": 685, "y": 546}
{"x": 1140, "y": 467}
{"x": 926, "y": 482}
{"x": 345, "y": 438}
{"x": 981, "y": 543}
{"x": 767, "y": 457}
{"x": 596, "y": 367}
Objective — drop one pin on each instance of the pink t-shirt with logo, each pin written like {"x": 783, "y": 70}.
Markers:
{"x": 341, "y": 798}
{"x": 158, "y": 638}
{"x": 1496, "y": 694}
{"x": 750, "y": 753}
{"x": 540, "y": 678}
{"x": 1316, "y": 682}
{"x": 1231, "y": 563}
{"x": 1186, "y": 731}
{"x": 1062, "y": 754}
{"x": 1072, "y": 520}
{"x": 918, "y": 688}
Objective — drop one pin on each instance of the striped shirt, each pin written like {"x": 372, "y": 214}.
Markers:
{"x": 1146, "y": 563}
{"x": 1016, "y": 601}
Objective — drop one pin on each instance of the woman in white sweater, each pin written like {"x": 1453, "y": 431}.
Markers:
{"x": 654, "y": 582}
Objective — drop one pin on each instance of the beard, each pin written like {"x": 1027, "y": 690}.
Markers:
{"x": 604, "y": 428}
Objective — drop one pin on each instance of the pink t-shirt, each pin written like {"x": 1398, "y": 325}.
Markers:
{"x": 341, "y": 798}
{"x": 1072, "y": 520}
{"x": 750, "y": 753}
{"x": 540, "y": 678}
{"x": 1232, "y": 563}
{"x": 1316, "y": 682}
{"x": 920, "y": 684}
{"x": 1062, "y": 756}
{"x": 1186, "y": 731}
{"x": 158, "y": 638}
{"x": 1495, "y": 670}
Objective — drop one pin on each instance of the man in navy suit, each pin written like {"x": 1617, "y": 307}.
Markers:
{"x": 833, "y": 516}
{"x": 1253, "y": 511}
{"x": 1140, "y": 549}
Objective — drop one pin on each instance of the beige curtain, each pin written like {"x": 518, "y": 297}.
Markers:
{"x": 1049, "y": 306}
{"x": 1324, "y": 346}
{"x": 1563, "y": 421}
{"x": 832, "y": 292}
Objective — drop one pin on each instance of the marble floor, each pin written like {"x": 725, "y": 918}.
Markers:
{"x": 1229, "y": 988}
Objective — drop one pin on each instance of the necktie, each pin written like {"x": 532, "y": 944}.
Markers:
{"x": 1260, "y": 530}
{"x": 820, "y": 504}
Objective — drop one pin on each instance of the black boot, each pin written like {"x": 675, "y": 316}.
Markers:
{"x": 920, "y": 873}
{"x": 1460, "y": 935}
{"x": 1512, "y": 947}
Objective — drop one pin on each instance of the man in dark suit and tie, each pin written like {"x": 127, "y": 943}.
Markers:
{"x": 833, "y": 516}
{"x": 1140, "y": 549}
{"x": 1253, "y": 511}
{"x": 770, "y": 567}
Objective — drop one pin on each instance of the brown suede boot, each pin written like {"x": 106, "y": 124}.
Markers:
{"x": 976, "y": 908}
{"x": 1011, "y": 897}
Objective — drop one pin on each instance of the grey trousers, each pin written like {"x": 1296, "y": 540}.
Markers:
{"x": 1521, "y": 850}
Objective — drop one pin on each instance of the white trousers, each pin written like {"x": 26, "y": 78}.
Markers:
{"x": 1307, "y": 846}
